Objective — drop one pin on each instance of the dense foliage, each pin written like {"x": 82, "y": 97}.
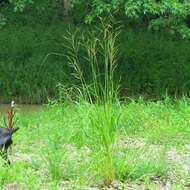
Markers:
{"x": 35, "y": 60}
{"x": 172, "y": 15}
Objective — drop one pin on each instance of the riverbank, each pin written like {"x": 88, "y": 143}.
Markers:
{"x": 21, "y": 108}
{"x": 56, "y": 148}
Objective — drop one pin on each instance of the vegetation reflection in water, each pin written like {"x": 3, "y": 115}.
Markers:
{"x": 21, "y": 108}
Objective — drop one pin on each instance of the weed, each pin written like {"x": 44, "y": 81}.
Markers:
{"x": 103, "y": 121}
{"x": 10, "y": 121}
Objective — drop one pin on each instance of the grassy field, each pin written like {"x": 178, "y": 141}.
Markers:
{"x": 65, "y": 147}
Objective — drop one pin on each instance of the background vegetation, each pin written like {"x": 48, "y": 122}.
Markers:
{"x": 33, "y": 56}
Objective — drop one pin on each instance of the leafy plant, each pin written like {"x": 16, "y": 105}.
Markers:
{"x": 159, "y": 15}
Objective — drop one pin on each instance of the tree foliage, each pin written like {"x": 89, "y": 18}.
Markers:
{"x": 170, "y": 15}
{"x": 159, "y": 14}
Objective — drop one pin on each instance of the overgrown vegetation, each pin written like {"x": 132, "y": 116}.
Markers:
{"x": 57, "y": 147}
{"x": 149, "y": 63}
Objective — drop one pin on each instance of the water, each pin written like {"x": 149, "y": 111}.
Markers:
{"x": 21, "y": 108}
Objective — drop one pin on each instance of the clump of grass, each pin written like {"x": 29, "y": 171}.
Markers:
{"x": 101, "y": 91}
{"x": 102, "y": 134}
{"x": 53, "y": 155}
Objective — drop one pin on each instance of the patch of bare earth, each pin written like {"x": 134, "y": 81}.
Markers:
{"x": 21, "y": 157}
{"x": 178, "y": 171}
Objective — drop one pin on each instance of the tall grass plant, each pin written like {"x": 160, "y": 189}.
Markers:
{"x": 101, "y": 91}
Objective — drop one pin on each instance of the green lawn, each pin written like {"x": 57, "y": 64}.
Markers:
{"x": 62, "y": 147}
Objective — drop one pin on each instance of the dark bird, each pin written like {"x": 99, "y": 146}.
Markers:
{"x": 6, "y": 141}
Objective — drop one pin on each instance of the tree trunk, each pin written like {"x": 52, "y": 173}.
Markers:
{"x": 66, "y": 7}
